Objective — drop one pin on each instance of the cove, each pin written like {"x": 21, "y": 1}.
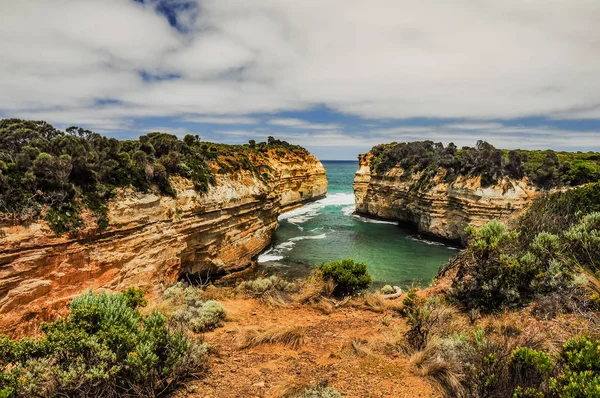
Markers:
{"x": 327, "y": 230}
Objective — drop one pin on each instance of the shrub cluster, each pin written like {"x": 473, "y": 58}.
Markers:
{"x": 505, "y": 362}
{"x": 499, "y": 270}
{"x": 348, "y": 276}
{"x": 195, "y": 313}
{"x": 104, "y": 348}
{"x": 320, "y": 392}
{"x": 545, "y": 169}
{"x": 64, "y": 172}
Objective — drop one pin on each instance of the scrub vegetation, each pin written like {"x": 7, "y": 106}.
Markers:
{"x": 45, "y": 172}
{"x": 104, "y": 348}
{"x": 544, "y": 169}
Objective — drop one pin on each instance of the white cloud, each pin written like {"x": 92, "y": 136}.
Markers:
{"x": 222, "y": 119}
{"x": 378, "y": 59}
{"x": 303, "y": 124}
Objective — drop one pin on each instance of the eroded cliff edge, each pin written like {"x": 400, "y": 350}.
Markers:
{"x": 438, "y": 207}
{"x": 152, "y": 239}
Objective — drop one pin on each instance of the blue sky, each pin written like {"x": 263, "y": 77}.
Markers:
{"x": 336, "y": 76}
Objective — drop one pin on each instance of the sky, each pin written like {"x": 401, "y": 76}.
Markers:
{"x": 335, "y": 76}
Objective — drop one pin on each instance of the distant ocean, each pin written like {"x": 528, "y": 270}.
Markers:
{"x": 327, "y": 230}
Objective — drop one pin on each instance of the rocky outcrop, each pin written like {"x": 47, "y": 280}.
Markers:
{"x": 152, "y": 240}
{"x": 436, "y": 207}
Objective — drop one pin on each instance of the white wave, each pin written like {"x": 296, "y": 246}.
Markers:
{"x": 263, "y": 258}
{"x": 430, "y": 242}
{"x": 297, "y": 238}
{"x": 374, "y": 221}
{"x": 311, "y": 210}
{"x": 337, "y": 199}
{"x": 348, "y": 210}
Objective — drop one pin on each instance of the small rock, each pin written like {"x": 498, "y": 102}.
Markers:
{"x": 259, "y": 384}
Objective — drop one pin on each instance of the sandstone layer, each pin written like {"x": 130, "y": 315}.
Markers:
{"x": 152, "y": 240}
{"x": 439, "y": 209}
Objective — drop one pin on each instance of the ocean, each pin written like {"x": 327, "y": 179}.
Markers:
{"x": 327, "y": 230}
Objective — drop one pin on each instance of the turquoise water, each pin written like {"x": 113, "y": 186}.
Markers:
{"x": 327, "y": 230}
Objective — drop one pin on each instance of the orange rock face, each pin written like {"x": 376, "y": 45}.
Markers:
{"x": 151, "y": 240}
{"x": 440, "y": 209}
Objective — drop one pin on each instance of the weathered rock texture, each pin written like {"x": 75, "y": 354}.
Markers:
{"x": 439, "y": 209}
{"x": 151, "y": 240}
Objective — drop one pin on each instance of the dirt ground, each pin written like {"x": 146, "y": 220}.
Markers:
{"x": 327, "y": 355}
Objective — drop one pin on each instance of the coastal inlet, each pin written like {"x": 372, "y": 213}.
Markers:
{"x": 327, "y": 230}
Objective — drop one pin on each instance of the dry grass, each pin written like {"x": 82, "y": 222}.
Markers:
{"x": 323, "y": 305}
{"x": 374, "y": 302}
{"x": 212, "y": 292}
{"x": 287, "y": 336}
{"x": 314, "y": 289}
{"x": 290, "y": 388}
{"x": 429, "y": 363}
{"x": 276, "y": 299}
{"x": 358, "y": 348}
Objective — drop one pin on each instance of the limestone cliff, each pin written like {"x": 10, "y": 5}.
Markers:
{"x": 437, "y": 208}
{"x": 152, "y": 240}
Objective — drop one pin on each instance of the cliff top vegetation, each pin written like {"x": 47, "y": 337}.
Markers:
{"x": 544, "y": 168}
{"x": 45, "y": 172}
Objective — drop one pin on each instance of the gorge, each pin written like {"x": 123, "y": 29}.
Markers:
{"x": 152, "y": 239}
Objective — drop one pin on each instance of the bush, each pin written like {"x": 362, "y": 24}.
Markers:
{"x": 104, "y": 348}
{"x": 209, "y": 316}
{"x": 194, "y": 313}
{"x": 583, "y": 242}
{"x": 135, "y": 297}
{"x": 557, "y": 212}
{"x": 349, "y": 276}
{"x": 529, "y": 369}
{"x": 497, "y": 271}
{"x": 580, "y": 360}
{"x": 258, "y": 287}
{"x": 387, "y": 289}
{"x": 423, "y": 314}
{"x": 320, "y": 392}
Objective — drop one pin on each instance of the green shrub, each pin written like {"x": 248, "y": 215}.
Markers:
{"x": 194, "y": 313}
{"x": 529, "y": 369}
{"x": 135, "y": 297}
{"x": 387, "y": 289}
{"x": 528, "y": 392}
{"x": 64, "y": 218}
{"x": 349, "y": 276}
{"x": 422, "y": 314}
{"x": 497, "y": 271}
{"x": 209, "y": 316}
{"x": 183, "y": 294}
{"x": 104, "y": 348}
{"x": 557, "y": 212}
{"x": 583, "y": 242}
{"x": 320, "y": 392}
{"x": 580, "y": 359}
{"x": 258, "y": 287}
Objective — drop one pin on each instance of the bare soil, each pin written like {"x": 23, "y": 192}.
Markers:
{"x": 325, "y": 357}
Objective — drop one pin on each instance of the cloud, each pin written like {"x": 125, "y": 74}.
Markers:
{"x": 303, "y": 124}
{"x": 108, "y": 64}
{"x": 221, "y": 119}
